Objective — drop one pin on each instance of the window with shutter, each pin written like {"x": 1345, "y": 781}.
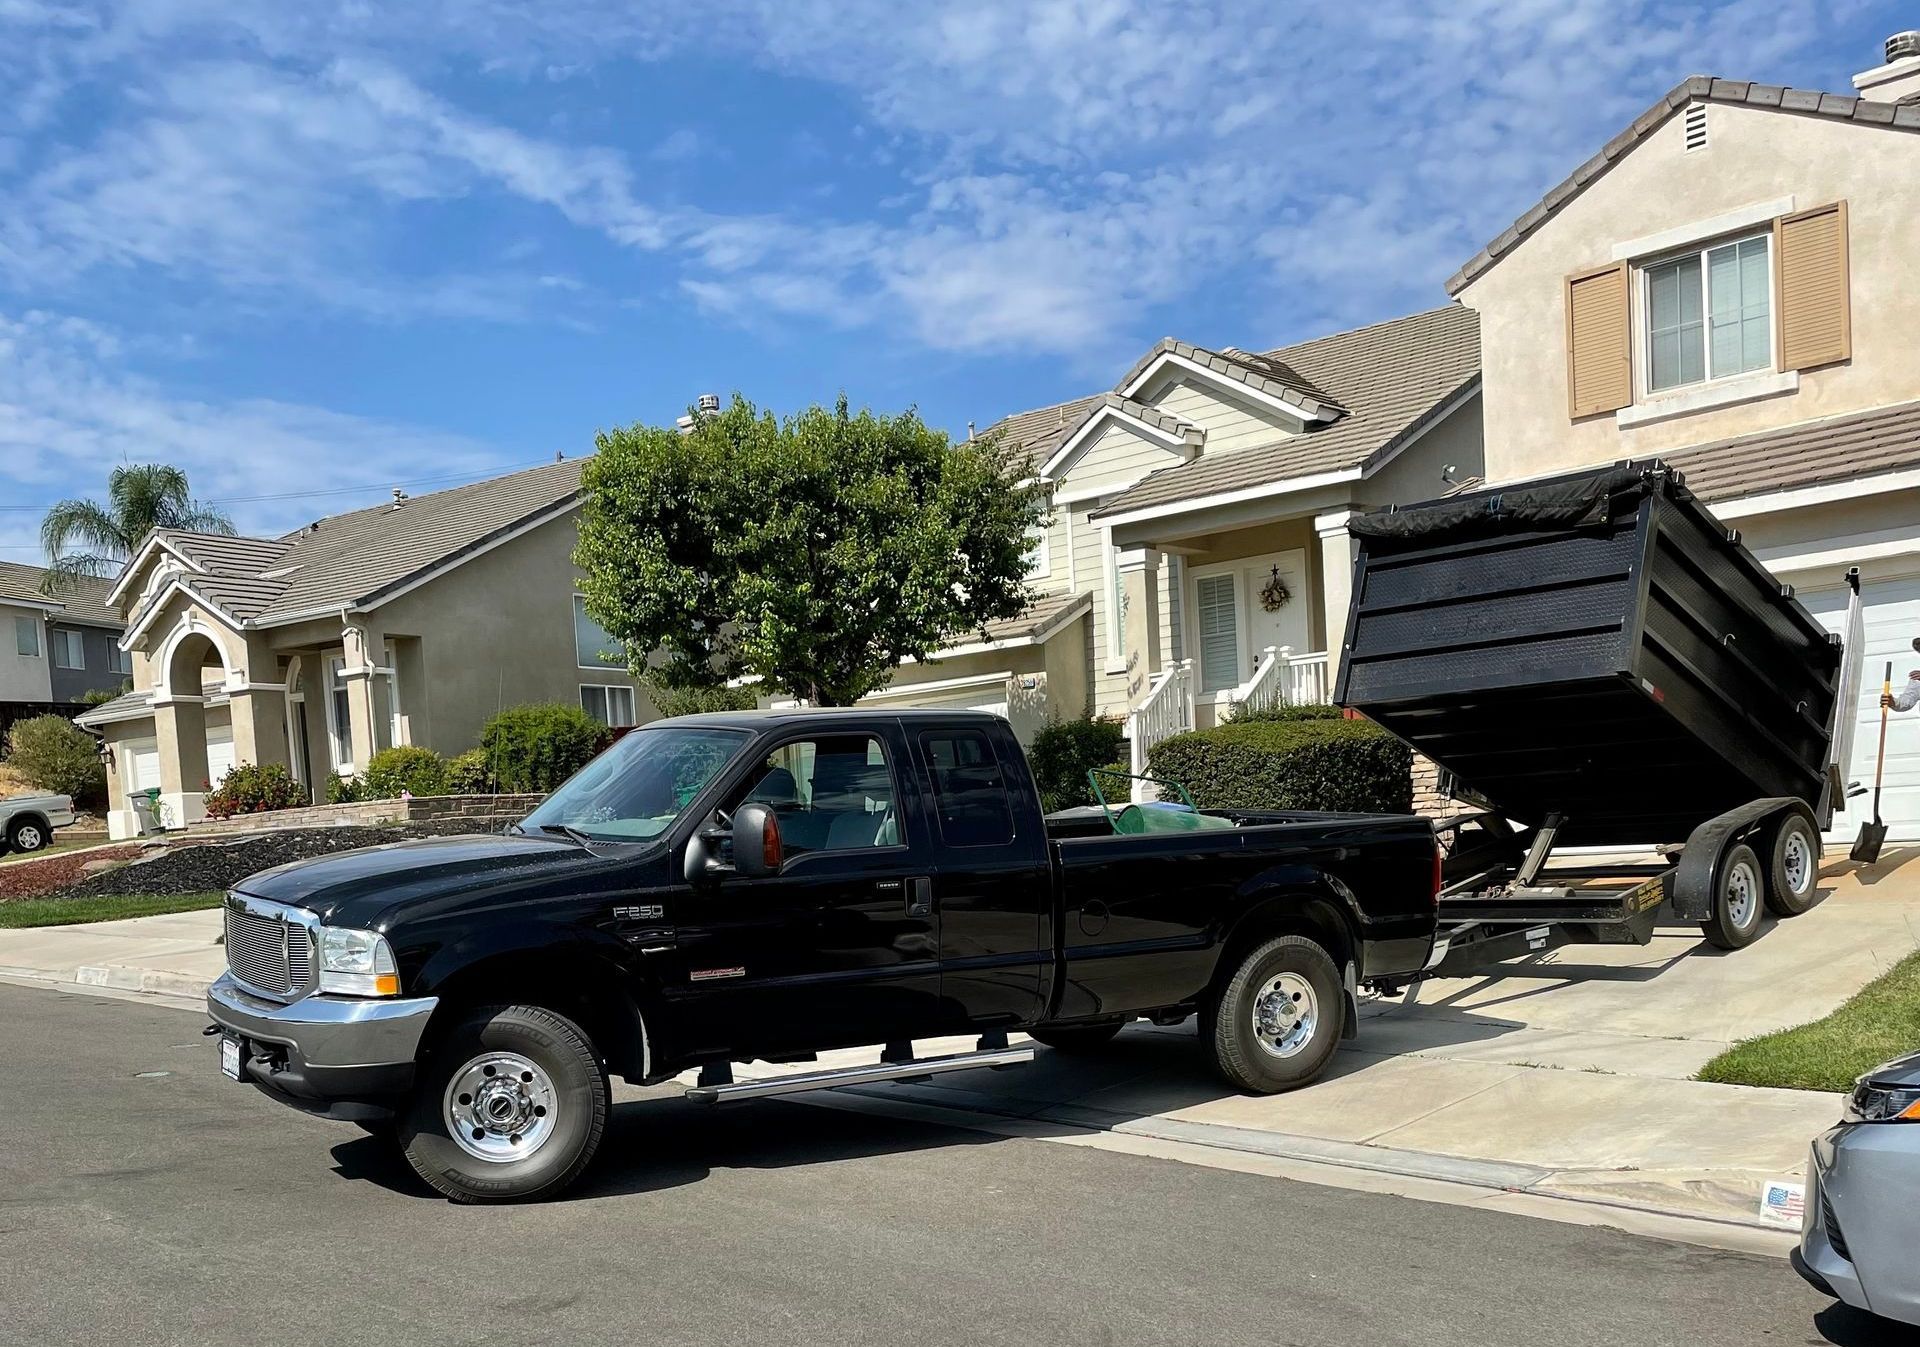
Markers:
{"x": 1815, "y": 321}
{"x": 1599, "y": 342}
{"x": 1219, "y": 632}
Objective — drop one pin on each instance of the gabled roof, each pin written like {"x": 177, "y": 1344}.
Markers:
{"x": 1704, "y": 88}
{"x": 1043, "y": 430}
{"x": 1393, "y": 378}
{"x": 80, "y": 599}
{"x": 350, "y": 560}
{"x": 1262, "y": 373}
{"x": 1811, "y": 454}
{"x": 1175, "y": 428}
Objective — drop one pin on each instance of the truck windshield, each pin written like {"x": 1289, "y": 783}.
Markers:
{"x": 635, "y": 790}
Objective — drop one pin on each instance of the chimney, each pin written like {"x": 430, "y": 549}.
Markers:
{"x": 709, "y": 404}
{"x": 1898, "y": 80}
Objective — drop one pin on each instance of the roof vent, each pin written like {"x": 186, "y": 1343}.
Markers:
{"x": 708, "y": 404}
{"x": 1696, "y": 126}
{"x": 399, "y": 497}
{"x": 1898, "y": 79}
{"x": 1902, "y": 45}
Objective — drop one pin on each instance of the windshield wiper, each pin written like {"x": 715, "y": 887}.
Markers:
{"x": 571, "y": 833}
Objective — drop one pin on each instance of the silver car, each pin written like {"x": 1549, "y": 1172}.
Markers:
{"x": 1862, "y": 1222}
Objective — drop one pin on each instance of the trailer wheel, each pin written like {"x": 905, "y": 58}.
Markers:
{"x": 510, "y": 1106}
{"x": 1277, "y": 1022}
{"x": 1739, "y": 899}
{"x": 1793, "y": 879}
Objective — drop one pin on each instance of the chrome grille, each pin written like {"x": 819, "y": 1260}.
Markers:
{"x": 269, "y": 953}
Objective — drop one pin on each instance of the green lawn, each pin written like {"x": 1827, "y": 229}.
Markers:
{"x": 1882, "y": 1021}
{"x": 66, "y": 911}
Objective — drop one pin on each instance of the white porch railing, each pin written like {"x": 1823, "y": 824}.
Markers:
{"x": 1282, "y": 678}
{"x": 1165, "y": 711}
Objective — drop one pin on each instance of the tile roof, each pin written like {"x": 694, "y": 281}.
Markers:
{"x": 82, "y": 599}
{"x": 1040, "y": 614}
{"x": 1044, "y": 429}
{"x": 355, "y": 558}
{"x": 1177, "y": 426}
{"x": 127, "y": 706}
{"x": 1841, "y": 107}
{"x": 1391, "y": 378}
{"x": 1267, "y": 372}
{"x": 1815, "y": 452}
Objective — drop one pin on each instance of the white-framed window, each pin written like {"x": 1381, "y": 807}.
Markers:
{"x": 593, "y": 646}
{"x": 26, "y": 637}
{"x": 118, "y": 661}
{"x": 1039, "y": 552}
{"x": 339, "y": 718}
{"x": 608, "y": 703}
{"x": 69, "y": 649}
{"x": 1708, "y": 313}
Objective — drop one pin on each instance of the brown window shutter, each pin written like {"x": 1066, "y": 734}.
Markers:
{"x": 1814, "y": 325}
{"x": 1599, "y": 341}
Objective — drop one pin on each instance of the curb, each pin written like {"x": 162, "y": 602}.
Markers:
{"x": 116, "y": 977}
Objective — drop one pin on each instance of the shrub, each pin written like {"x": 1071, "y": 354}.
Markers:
{"x": 1305, "y": 711}
{"x": 1062, "y": 752}
{"x": 247, "y": 789}
{"x": 469, "y": 773}
{"x": 56, "y": 755}
{"x": 345, "y": 790}
{"x": 405, "y": 767}
{"x": 697, "y": 701}
{"x": 537, "y": 746}
{"x": 1311, "y": 764}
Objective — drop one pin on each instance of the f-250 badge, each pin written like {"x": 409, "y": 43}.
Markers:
{"x": 646, "y": 912}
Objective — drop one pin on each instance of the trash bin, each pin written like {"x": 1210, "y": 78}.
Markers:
{"x": 146, "y": 810}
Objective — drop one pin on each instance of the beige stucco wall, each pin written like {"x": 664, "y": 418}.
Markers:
{"x": 1753, "y": 156}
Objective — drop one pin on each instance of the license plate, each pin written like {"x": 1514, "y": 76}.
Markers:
{"x": 230, "y": 1057}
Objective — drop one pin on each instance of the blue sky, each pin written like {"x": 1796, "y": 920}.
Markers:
{"x": 309, "y": 251}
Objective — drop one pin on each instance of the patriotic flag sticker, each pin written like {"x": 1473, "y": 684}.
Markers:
{"x": 1783, "y": 1202}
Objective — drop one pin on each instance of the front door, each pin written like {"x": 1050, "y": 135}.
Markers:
{"x": 841, "y": 947}
{"x": 1242, "y": 607}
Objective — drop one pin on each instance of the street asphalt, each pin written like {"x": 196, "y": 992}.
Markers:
{"x": 144, "y": 1199}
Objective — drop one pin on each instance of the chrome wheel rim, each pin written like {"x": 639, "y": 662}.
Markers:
{"x": 500, "y": 1107}
{"x": 1743, "y": 895}
{"x": 1797, "y": 861}
{"x": 28, "y": 838}
{"x": 1285, "y": 1015}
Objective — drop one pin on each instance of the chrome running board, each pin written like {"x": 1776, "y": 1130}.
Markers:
{"x": 860, "y": 1075}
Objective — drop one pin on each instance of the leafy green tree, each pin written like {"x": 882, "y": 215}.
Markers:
{"x": 84, "y": 537}
{"x": 815, "y": 552}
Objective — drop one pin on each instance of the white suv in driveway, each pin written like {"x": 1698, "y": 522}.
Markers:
{"x": 27, "y": 821}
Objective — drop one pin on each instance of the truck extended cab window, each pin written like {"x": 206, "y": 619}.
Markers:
{"x": 969, "y": 789}
{"x": 635, "y": 790}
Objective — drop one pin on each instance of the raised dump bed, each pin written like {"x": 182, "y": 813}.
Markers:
{"x": 1595, "y": 647}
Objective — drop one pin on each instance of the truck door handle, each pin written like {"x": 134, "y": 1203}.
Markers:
{"x": 920, "y": 896}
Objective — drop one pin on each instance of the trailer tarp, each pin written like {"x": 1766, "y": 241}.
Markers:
{"x": 1576, "y": 502}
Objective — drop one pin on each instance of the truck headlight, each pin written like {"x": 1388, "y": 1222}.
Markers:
{"x": 357, "y": 963}
{"x": 1883, "y": 1103}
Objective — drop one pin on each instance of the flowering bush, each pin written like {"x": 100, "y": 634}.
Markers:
{"x": 247, "y": 789}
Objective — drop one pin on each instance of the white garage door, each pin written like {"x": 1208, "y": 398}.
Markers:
{"x": 1892, "y": 612}
{"x": 219, "y": 753}
{"x": 142, "y": 758}
{"x": 981, "y": 696}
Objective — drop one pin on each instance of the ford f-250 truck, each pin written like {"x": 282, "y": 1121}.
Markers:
{"x": 769, "y": 885}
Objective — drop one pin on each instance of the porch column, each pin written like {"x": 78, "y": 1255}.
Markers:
{"x": 1139, "y": 571}
{"x": 1337, "y": 555}
{"x": 180, "y": 739}
{"x": 366, "y": 715}
{"x": 259, "y": 726}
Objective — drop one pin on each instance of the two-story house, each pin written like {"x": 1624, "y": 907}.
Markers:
{"x": 1197, "y": 555}
{"x": 57, "y": 646}
{"x": 1732, "y": 283}
{"x": 408, "y": 623}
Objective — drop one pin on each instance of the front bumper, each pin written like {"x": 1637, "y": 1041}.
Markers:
{"x": 339, "y": 1056}
{"x": 1860, "y": 1184}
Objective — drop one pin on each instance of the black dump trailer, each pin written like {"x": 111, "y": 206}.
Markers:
{"x": 1594, "y": 661}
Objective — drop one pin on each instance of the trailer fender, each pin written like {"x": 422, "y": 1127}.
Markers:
{"x": 1693, "y": 879}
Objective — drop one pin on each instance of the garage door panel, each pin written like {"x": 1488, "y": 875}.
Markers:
{"x": 1891, "y": 612}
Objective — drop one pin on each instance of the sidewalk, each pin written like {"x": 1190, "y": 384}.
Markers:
{"x": 1566, "y": 1076}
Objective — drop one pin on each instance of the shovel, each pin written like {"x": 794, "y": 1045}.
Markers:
{"x": 1866, "y": 847}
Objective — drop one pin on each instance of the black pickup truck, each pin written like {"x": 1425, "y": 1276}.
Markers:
{"x": 770, "y": 885}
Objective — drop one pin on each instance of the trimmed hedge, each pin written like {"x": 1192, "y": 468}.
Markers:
{"x": 1061, "y": 753}
{"x": 254, "y": 789}
{"x": 1285, "y": 713}
{"x": 537, "y": 746}
{"x": 406, "y": 767}
{"x": 1302, "y": 764}
{"x": 469, "y": 773}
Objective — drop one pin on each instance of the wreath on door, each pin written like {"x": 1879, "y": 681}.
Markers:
{"x": 1274, "y": 594}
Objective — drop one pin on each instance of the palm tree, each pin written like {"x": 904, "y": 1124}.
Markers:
{"x": 141, "y": 497}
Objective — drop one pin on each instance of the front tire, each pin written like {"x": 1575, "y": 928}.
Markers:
{"x": 1739, "y": 900}
{"x": 26, "y": 835}
{"x": 1278, "y": 1020}
{"x": 510, "y": 1106}
{"x": 1793, "y": 877}
{"x": 1077, "y": 1038}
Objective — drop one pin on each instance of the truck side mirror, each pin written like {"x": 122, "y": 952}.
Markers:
{"x": 756, "y": 840}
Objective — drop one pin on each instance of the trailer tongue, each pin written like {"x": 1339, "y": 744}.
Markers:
{"x": 1596, "y": 662}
